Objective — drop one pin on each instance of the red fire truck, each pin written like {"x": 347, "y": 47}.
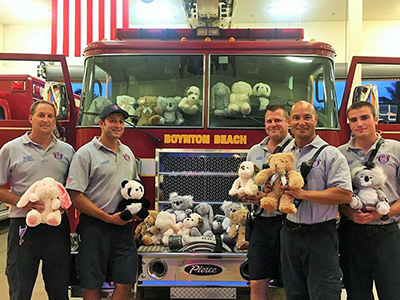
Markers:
{"x": 199, "y": 154}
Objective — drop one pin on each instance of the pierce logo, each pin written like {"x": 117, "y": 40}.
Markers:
{"x": 203, "y": 270}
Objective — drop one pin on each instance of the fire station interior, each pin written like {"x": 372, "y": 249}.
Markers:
{"x": 352, "y": 27}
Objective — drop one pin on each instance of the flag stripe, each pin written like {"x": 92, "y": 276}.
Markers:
{"x": 54, "y": 26}
{"x": 89, "y": 21}
{"x": 125, "y": 14}
{"x": 78, "y": 27}
{"x": 66, "y": 28}
{"x": 101, "y": 20}
{"x": 113, "y": 21}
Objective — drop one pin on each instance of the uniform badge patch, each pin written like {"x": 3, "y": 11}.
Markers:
{"x": 383, "y": 158}
{"x": 126, "y": 157}
{"x": 70, "y": 179}
{"x": 316, "y": 163}
{"x": 58, "y": 155}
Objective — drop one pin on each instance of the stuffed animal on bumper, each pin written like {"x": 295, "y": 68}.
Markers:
{"x": 55, "y": 199}
{"x": 238, "y": 228}
{"x": 133, "y": 203}
{"x": 171, "y": 114}
{"x": 191, "y": 103}
{"x": 220, "y": 95}
{"x": 262, "y": 91}
{"x": 166, "y": 226}
{"x": 244, "y": 185}
{"x": 206, "y": 212}
{"x": 222, "y": 223}
{"x": 279, "y": 174}
{"x": 240, "y": 98}
{"x": 368, "y": 192}
{"x": 181, "y": 206}
{"x": 146, "y": 229}
{"x": 191, "y": 226}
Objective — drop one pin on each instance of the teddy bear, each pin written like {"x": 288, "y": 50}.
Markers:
{"x": 95, "y": 108}
{"x": 262, "y": 91}
{"x": 221, "y": 223}
{"x": 55, "y": 198}
{"x": 368, "y": 192}
{"x": 191, "y": 226}
{"x": 244, "y": 185}
{"x": 171, "y": 114}
{"x": 238, "y": 228}
{"x": 220, "y": 95}
{"x": 133, "y": 202}
{"x": 146, "y": 229}
{"x": 207, "y": 214}
{"x": 191, "y": 103}
{"x": 148, "y": 112}
{"x": 181, "y": 206}
{"x": 126, "y": 103}
{"x": 240, "y": 98}
{"x": 166, "y": 226}
{"x": 279, "y": 174}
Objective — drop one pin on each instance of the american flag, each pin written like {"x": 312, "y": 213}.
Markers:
{"x": 76, "y": 23}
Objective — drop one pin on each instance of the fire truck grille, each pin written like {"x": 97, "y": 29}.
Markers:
{"x": 200, "y": 164}
{"x": 202, "y": 293}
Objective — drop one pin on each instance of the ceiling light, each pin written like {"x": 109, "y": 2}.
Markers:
{"x": 154, "y": 12}
{"x": 287, "y": 8}
{"x": 299, "y": 59}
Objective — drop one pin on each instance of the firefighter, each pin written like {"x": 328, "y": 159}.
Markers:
{"x": 107, "y": 251}
{"x": 309, "y": 240}
{"x": 23, "y": 161}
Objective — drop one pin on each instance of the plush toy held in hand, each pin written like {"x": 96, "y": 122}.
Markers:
{"x": 146, "y": 229}
{"x": 133, "y": 203}
{"x": 244, "y": 185}
{"x": 55, "y": 199}
{"x": 191, "y": 103}
{"x": 262, "y": 91}
{"x": 368, "y": 183}
{"x": 240, "y": 98}
{"x": 238, "y": 228}
{"x": 220, "y": 95}
{"x": 279, "y": 174}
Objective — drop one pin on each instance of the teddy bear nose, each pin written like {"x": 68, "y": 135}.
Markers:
{"x": 366, "y": 179}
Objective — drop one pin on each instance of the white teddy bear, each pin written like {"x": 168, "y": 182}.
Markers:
{"x": 244, "y": 185}
{"x": 220, "y": 95}
{"x": 240, "y": 98}
{"x": 262, "y": 91}
{"x": 126, "y": 103}
{"x": 95, "y": 109}
{"x": 368, "y": 183}
{"x": 55, "y": 199}
{"x": 166, "y": 224}
{"x": 191, "y": 225}
{"x": 191, "y": 103}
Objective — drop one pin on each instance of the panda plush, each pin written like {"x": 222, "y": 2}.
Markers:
{"x": 133, "y": 202}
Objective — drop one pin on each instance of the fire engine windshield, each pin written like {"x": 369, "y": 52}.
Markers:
{"x": 169, "y": 89}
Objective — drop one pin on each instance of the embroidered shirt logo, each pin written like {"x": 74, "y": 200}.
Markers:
{"x": 104, "y": 162}
{"x": 58, "y": 155}
{"x": 27, "y": 158}
{"x": 70, "y": 179}
{"x": 126, "y": 157}
{"x": 316, "y": 163}
{"x": 383, "y": 158}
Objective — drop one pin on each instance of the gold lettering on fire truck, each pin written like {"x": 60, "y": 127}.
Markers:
{"x": 230, "y": 139}
{"x": 186, "y": 139}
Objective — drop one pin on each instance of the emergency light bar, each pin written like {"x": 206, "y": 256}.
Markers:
{"x": 201, "y": 32}
{"x": 18, "y": 86}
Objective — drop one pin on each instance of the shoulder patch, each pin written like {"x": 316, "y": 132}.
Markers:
{"x": 316, "y": 163}
{"x": 384, "y": 158}
{"x": 58, "y": 155}
{"x": 126, "y": 157}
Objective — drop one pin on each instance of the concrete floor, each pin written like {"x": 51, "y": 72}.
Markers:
{"x": 39, "y": 292}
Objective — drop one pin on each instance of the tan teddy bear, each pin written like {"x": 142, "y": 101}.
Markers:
{"x": 279, "y": 173}
{"x": 238, "y": 228}
{"x": 146, "y": 229}
{"x": 148, "y": 112}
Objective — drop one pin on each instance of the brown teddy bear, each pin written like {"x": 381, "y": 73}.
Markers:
{"x": 148, "y": 112}
{"x": 238, "y": 228}
{"x": 279, "y": 173}
{"x": 146, "y": 229}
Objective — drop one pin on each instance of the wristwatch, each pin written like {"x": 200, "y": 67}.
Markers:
{"x": 385, "y": 217}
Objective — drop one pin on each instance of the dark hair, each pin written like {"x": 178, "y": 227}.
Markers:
{"x": 361, "y": 104}
{"x": 276, "y": 107}
{"x": 36, "y": 103}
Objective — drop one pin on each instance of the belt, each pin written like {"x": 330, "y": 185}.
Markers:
{"x": 376, "y": 229}
{"x": 308, "y": 228}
